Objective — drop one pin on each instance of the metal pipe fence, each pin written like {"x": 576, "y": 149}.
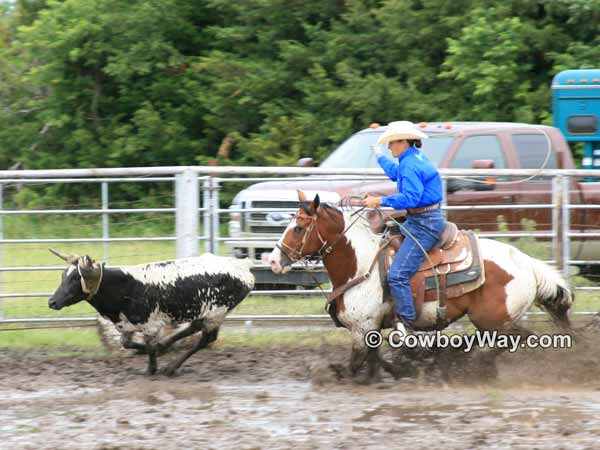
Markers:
{"x": 197, "y": 214}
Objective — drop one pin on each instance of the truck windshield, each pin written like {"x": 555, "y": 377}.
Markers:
{"x": 355, "y": 152}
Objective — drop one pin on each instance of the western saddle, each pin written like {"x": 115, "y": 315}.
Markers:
{"x": 455, "y": 261}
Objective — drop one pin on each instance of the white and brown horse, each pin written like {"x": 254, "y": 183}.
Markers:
{"x": 514, "y": 281}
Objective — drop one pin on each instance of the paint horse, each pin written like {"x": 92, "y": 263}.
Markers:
{"x": 510, "y": 282}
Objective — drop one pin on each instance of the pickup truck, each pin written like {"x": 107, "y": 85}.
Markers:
{"x": 451, "y": 145}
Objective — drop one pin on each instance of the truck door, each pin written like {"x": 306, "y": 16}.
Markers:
{"x": 531, "y": 149}
{"x": 465, "y": 193}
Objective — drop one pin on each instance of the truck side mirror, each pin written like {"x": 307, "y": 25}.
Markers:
{"x": 306, "y": 162}
{"x": 457, "y": 184}
{"x": 484, "y": 164}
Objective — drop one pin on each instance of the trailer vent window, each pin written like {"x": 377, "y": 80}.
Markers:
{"x": 582, "y": 124}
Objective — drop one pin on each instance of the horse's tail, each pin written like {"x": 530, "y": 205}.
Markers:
{"x": 553, "y": 295}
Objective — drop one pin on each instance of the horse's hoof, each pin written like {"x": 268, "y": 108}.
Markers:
{"x": 363, "y": 380}
{"x": 376, "y": 379}
{"x": 168, "y": 371}
{"x": 339, "y": 370}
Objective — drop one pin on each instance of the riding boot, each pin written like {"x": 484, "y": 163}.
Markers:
{"x": 403, "y": 324}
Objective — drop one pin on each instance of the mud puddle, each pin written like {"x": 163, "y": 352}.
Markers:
{"x": 287, "y": 398}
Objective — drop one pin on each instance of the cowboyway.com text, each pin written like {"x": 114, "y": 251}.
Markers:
{"x": 492, "y": 339}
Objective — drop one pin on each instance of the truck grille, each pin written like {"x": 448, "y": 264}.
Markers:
{"x": 258, "y": 216}
{"x": 275, "y": 204}
{"x": 258, "y": 221}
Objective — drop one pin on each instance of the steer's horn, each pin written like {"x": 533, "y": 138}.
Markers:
{"x": 70, "y": 259}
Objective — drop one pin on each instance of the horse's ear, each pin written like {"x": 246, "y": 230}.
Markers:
{"x": 301, "y": 196}
{"x": 316, "y": 203}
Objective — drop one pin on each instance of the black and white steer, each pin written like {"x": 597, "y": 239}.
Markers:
{"x": 197, "y": 291}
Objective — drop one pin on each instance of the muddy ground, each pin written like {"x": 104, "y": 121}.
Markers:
{"x": 289, "y": 398}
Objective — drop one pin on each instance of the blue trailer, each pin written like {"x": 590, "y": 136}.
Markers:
{"x": 576, "y": 111}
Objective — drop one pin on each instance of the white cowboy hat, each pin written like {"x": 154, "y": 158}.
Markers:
{"x": 402, "y": 129}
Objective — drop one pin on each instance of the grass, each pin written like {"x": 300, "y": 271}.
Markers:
{"x": 269, "y": 339}
{"x": 120, "y": 253}
{"x": 124, "y": 253}
{"x": 64, "y": 338}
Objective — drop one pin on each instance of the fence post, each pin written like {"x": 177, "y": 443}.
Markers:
{"x": 1, "y": 244}
{"x": 206, "y": 213}
{"x": 105, "y": 222}
{"x": 187, "y": 200}
{"x": 445, "y": 197}
{"x": 215, "y": 216}
{"x": 557, "y": 202}
{"x": 566, "y": 225}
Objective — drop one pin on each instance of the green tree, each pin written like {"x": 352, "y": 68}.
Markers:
{"x": 163, "y": 82}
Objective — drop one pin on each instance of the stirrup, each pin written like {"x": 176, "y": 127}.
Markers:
{"x": 404, "y": 326}
{"x": 399, "y": 327}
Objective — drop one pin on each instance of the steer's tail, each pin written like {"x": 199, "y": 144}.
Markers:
{"x": 553, "y": 295}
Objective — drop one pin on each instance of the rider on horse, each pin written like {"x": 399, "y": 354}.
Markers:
{"x": 419, "y": 193}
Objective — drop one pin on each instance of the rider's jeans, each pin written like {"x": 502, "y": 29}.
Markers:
{"x": 427, "y": 228}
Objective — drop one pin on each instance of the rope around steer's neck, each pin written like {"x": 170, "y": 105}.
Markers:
{"x": 85, "y": 288}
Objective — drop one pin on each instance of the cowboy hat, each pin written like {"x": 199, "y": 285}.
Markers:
{"x": 402, "y": 129}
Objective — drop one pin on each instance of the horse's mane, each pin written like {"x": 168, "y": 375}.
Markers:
{"x": 347, "y": 214}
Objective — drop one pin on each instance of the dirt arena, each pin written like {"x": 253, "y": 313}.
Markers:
{"x": 290, "y": 398}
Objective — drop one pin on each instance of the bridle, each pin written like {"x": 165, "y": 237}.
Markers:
{"x": 322, "y": 253}
{"x": 324, "y": 250}
{"x": 296, "y": 254}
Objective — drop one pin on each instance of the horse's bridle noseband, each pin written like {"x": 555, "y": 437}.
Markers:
{"x": 296, "y": 255}
{"x": 325, "y": 249}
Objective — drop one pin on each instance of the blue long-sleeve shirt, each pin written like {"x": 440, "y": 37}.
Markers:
{"x": 418, "y": 180}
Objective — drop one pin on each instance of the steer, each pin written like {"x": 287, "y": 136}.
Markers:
{"x": 198, "y": 292}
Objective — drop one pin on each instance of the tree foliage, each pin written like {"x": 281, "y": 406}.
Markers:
{"x": 163, "y": 82}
